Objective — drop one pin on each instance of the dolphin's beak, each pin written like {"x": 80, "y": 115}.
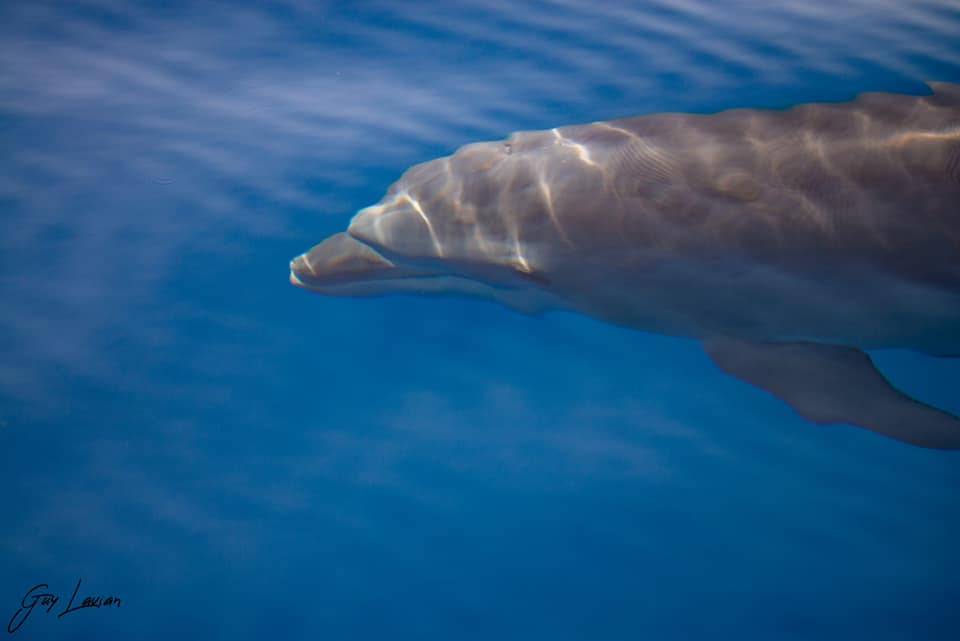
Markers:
{"x": 342, "y": 265}
{"x": 338, "y": 259}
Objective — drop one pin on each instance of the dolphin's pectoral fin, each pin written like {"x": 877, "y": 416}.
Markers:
{"x": 835, "y": 384}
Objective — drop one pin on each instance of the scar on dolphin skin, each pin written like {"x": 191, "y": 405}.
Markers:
{"x": 787, "y": 241}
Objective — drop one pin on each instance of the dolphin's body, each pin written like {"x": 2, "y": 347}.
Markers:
{"x": 786, "y": 241}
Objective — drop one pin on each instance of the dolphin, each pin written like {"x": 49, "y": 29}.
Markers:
{"x": 786, "y": 241}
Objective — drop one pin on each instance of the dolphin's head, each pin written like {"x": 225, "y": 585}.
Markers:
{"x": 450, "y": 225}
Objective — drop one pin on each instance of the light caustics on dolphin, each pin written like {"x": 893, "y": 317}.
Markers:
{"x": 785, "y": 240}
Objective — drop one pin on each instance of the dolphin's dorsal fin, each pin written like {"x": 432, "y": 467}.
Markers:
{"x": 835, "y": 384}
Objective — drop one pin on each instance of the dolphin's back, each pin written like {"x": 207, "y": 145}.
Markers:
{"x": 877, "y": 178}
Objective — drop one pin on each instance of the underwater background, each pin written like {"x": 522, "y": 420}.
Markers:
{"x": 236, "y": 458}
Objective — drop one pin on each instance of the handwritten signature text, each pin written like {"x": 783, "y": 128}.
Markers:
{"x": 39, "y": 595}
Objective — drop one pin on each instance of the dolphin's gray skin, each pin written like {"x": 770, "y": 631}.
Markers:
{"x": 785, "y": 240}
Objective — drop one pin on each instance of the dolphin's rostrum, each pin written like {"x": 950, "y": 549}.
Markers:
{"x": 785, "y": 240}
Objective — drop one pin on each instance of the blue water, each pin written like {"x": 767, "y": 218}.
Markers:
{"x": 236, "y": 458}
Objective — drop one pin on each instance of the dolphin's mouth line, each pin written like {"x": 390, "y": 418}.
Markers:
{"x": 343, "y": 261}
{"x": 344, "y": 265}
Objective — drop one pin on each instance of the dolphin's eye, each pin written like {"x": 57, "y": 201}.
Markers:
{"x": 530, "y": 274}
{"x": 507, "y": 148}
